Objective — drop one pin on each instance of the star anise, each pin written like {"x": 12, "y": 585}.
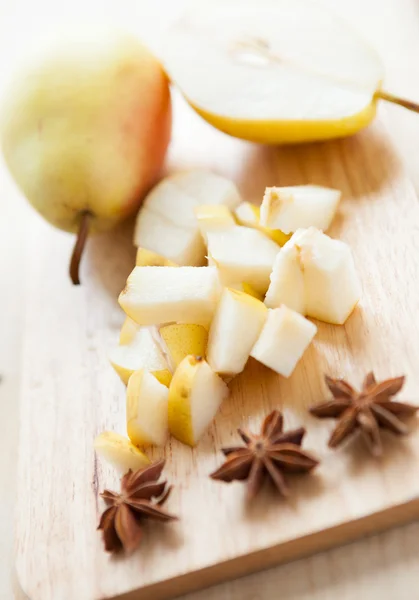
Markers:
{"x": 365, "y": 411}
{"x": 266, "y": 456}
{"x": 121, "y": 522}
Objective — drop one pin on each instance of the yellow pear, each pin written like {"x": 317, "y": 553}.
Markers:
{"x": 275, "y": 71}
{"x": 85, "y": 130}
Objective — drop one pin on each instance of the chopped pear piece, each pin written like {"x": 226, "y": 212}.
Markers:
{"x": 166, "y": 223}
{"x": 157, "y": 295}
{"x": 181, "y": 339}
{"x": 248, "y": 214}
{"x": 283, "y": 340}
{"x": 273, "y": 71}
{"x": 213, "y": 218}
{"x": 291, "y": 208}
{"x": 119, "y": 452}
{"x": 195, "y": 395}
{"x": 327, "y": 287}
{"x": 138, "y": 349}
{"x": 208, "y": 188}
{"x": 243, "y": 254}
{"x": 237, "y": 323}
{"x": 148, "y": 258}
{"x": 248, "y": 289}
{"x": 146, "y": 410}
{"x": 287, "y": 281}
{"x": 128, "y": 331}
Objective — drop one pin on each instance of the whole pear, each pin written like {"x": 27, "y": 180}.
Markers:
{"x": 85, "y": 131}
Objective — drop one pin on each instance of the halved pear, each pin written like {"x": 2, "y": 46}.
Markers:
{"x": 248, "y": 214}
{"x": 166, "y": 223}
{"x": 284, "y": 339}
{"x": 146, "y": 410}
{"x": 157, "y": 295}
{"x": 181, "y": 339}
{"x": 119, "y": 452}
{"x": 195, "y": 395}
{"x": 316, "y": 276}
{"x": 237, "y": 323}
{"x": 243, "y": 254}
{"x": 294, "y": 207}
{"x": 148, "y": 258}
{"x": 138, "y": 349}
{"x": 213, "y": 218}
{"x": 273, "y": 71}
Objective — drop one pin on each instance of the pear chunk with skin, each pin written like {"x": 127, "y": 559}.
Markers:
{"x": 283, "y": 340}
{"x": 166, "y": 223}
{"x": 195, "y": 395}
{"x": 273, "y": 71}
{"x": 243, "y": 254}
{"x": 181, "y": 339}
{"x": 119, "y": 452}
{"x": 237, "y": 323}
{"x": 291, "y": 208}
{"x": 138, "y": 349}
{"x": 213, "y": 218}
{"x": 248, "y": 214}
{"x": 146, "y": 410}
{"x": 316, "y": 276}
{"x": 148, "y": 258}
{"x": 158, "y": 295}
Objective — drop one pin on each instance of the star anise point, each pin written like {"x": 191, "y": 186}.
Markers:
{"x": 121, "y": 522}
{"x": 267, "y": 455}
{"x": 366, "y": 411}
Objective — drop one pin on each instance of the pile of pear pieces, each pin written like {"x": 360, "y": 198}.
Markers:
{"x": 217, "y": 281}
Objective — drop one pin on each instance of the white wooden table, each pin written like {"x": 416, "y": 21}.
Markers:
{"x": 384, "y": 566}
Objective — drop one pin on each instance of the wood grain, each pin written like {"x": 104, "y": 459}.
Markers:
{"x": 70, "y": 393}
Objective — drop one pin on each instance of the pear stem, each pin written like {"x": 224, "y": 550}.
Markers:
{"x": 79, "y": 247}
{"x": 413, "y": 106}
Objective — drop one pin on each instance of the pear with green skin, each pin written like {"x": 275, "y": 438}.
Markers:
{"x": 85, "y": 131}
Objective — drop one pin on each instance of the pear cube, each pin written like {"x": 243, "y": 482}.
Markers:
{"x": 119, "y": 452}
{"x": 181, "y": 339}
{"x": 157, "y": 295}
{"x": 166, "y": 224}
{"x": 287, "y": 281}
{"x": 291, "y": 208}
{"x": 283, "y": 340}
{"x": 146, "y": 410}
{"x": 248, "y": 214}
{"x": 237, "y": 323}
{"x": 138, "y": 349}
{"x": 243, "y": 254}
{"x": 327, "y": 288}
{"x": 195, "y": 394}
{"x": 213, "y": 218}
{"x": 148, "y": 258}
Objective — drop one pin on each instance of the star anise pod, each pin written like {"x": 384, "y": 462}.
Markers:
{"x": 121, "y": 522}
{"x": 365, "y": 411}
{"x": 267, "y": 455}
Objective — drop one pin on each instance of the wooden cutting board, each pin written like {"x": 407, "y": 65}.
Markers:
{"x": 70, "y": 393}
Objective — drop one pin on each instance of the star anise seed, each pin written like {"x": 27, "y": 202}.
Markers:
{"x": 366, "y": 411}
{"x": 121, "y": 522}
{"x": 266, "y": 456}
